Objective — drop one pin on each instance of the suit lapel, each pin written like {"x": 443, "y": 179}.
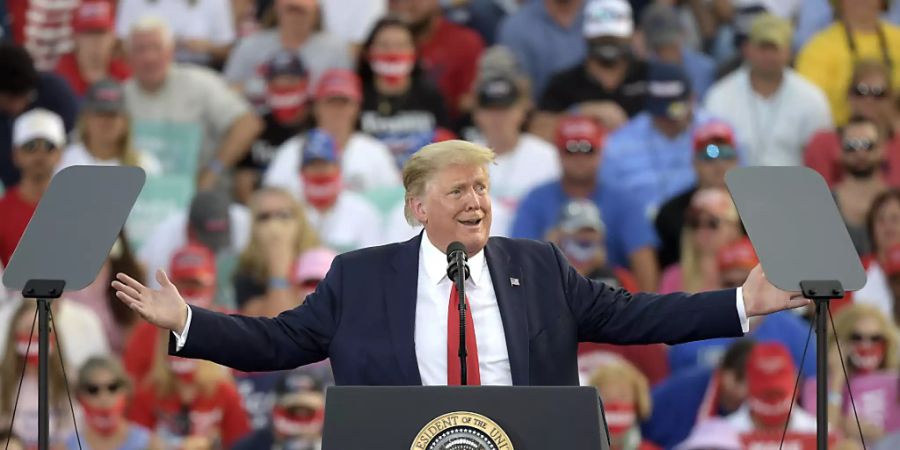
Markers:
{"x": 510, "y": 288}
{"x": 400, "y": 297}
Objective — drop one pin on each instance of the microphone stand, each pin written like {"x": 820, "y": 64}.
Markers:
{"x": 461, "y": 290}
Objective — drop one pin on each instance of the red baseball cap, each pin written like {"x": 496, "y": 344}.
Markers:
{"x": 891, "y": 261}
{"x": 771, "y": 374}
{"x": 339, "y": 83}
{"x": 738, "y": 254}
{"x": 94, "y": 15}
{"x": 194, "y": 262}
{"x": 580, "y": 134}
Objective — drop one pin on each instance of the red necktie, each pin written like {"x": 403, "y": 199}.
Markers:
{"x": 472, "y": 374}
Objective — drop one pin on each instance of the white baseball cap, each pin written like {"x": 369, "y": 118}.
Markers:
{"x": 608, "y": 18}
{"x": 39, "y": 124}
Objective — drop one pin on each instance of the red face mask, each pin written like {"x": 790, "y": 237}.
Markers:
{"x": 620, "y": 417}
{"x": 392, "y": 67}
{"x": 104, "y": 420}
{"x": 22, "y": 342}
{"x": 322, "y": 190}
{"x": 288, "y": 425}
{"x": 867, "y": 357}
{"x": 770, "y": 410}
{"x": 183, "y": 368}
{"x": 288, "y": 103}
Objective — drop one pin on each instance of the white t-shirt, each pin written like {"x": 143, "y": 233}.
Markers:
{"x": 352, "y": 20}
{"x": 80, "y": 330}
{"x": 365, "y": 164}
{"x": 775, "y": 129}
{"x": 397, "y": 229}
{"x": 352, "y": 223}
{"x": 171, "y": 234}
{"x": 801, "y": 421}
{"x": 876, "y": 291}
{"x": 532, "y": 163}
{"x": 208, "y": 20}
{"x": 78, "y": 155}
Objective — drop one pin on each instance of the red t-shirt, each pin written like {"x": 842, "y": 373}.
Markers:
{"x": 15, "y": 213}
{"x": 451, "y": 57}
{"x": 823, "y": 154}
{"x": 220, "y": 414}
{"x": 139, "y": 350}
{"x": 67, "y": 67}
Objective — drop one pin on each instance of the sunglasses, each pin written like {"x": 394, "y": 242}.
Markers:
{"x": 95, "y": 389}
{"x": 269, "y": 215}
{"x": 873, "y": 338}
{"x": 580, "y": 146}
{"x": 865, "y": 90}
{"x": 36, "y": 145}
{"x": 711, "y": 223}
{"x": 713, "y": 151}
{"x": 858, "y": 145}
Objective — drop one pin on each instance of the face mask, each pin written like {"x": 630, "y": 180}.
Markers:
{"x": 620, "y": 417}
{"x": 321, "y": 191}
{"x": 292, "y": 427}
{"x": 580, "y": 252}
{"x": 104, "y": 420}
{"x": 392, "y": 67}
{"x": 608, "y": 54}
{"x": 287, "y": 103}
{"x": 22, "y": 342}
{"x": 200, "y": 297}
{"x": 184, "y": 369}
{"x": 867, "y": 357}
{"x": 768, "y": 412}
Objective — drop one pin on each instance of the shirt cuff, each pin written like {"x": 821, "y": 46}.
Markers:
{"x": 180, "y": 340}
{"x": 742, "y": 313}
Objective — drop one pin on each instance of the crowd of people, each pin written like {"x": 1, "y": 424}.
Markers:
{"x": 273, "y": 133}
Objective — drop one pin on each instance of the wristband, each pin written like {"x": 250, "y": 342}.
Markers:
{"x": 276, "y": 283}
{"x": 216, "y": 166}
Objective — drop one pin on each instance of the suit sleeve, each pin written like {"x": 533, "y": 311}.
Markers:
{"x": 605, "y": 314}
{"x": 254, "y": 344}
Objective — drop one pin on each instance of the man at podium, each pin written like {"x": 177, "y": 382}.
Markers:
{"x": 382, "y": 314}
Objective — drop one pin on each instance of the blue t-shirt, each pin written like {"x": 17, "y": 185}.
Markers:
{"x": 676, "y": 401}
{"x": 138, "y": 439}
{"x": 54, "y": 94}
{"x": 625, "y": 214}
{"x": 784, "y": 327}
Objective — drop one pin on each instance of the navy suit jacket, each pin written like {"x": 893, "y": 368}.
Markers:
{"x": 362, "y": 316}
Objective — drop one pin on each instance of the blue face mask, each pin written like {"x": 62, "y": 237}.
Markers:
{"x": 580, "y": 252}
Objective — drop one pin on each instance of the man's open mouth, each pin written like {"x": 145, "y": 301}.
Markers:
{"x": 471, "y": 222}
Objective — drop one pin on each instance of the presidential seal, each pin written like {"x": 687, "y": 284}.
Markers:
{"x": 461, "y": 430}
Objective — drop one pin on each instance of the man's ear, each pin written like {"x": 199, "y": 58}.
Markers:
{"x": 417, "y": 206}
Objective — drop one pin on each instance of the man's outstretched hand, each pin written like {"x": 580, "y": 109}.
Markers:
{"x": 162, "y": 307}
{"x": 762, "y": 297}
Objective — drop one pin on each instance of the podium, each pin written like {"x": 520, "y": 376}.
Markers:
{"x": 442, "y": 417}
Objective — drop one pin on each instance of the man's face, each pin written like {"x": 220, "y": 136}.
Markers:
{"x": 94, "y": 48}
{"x": 499, "y": 121}
{"x": 150, "y": 56}
{"x": 670, "y": 53}
{"x": 862, "y": 152}
{"x": 413, "y": 11}
{"x": 36, "y": 158}
{"x": 456, "y": 207}
{"x": 336, "y": 113}
{"x": 711, "y": 172}
{"x": 870, "y": 97}
{"x": 14, "y": 104}
{"x": 766, "y": 58}
{"x": 297, "y": 14}
{"x": 580, "y": 166}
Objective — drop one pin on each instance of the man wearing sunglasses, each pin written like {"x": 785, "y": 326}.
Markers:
{"x": 630, "y": 240}
{"x": 862, "y": 160}
{"x": 38, "y": 139}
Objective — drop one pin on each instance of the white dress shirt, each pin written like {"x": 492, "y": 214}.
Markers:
{"x": 432, "y": 298}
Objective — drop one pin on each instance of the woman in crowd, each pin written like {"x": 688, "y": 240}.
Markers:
{"x": 279, "y": 234}
{"x": 712, "y": 222}
{"x": 103, "y": 392}
{"x": 626, "y": 402}
{"x": 104, "y": 129}
{"x": 188, "y": 403}
{"x": 401, "y": 107}
{"x": 21, "y": 352}
{"x": 883, "y": 225}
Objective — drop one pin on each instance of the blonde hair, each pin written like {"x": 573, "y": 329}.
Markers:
{"x": 253, "y": 261}
{"x": 623, "y": 370}
{"x": 690, "y": 259}
{"x": 127, "y": 154}
{"x": 846, "y": 319}
{"x": 163, "y": 380}
{"x": 422, "y": 165}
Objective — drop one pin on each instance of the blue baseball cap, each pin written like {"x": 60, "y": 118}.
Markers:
{"x": 285, "y": 62}
{"x": 668, "y": 90}
{"x": 318, "y": 146}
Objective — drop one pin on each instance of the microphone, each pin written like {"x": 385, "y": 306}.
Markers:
{"x": 457, "y": 272}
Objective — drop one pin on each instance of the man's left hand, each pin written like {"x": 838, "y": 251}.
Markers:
{"x": 762, "y": 297}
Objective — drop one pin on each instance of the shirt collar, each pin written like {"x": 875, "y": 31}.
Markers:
{"x": 435, "y": 262}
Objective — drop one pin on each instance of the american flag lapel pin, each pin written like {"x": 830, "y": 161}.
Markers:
{"x": 513, "y": 281}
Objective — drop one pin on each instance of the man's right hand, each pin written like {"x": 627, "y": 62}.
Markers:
{"x": 164, "y": 307}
